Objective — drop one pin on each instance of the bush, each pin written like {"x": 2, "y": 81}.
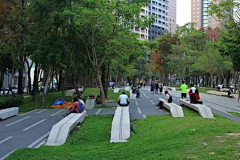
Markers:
{"x": 7, "y": 102}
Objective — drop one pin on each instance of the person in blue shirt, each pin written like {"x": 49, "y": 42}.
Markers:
{"x": 152, "y": 86}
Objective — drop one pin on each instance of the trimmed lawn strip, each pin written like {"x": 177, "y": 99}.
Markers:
{"x": 235, "y": 114}
{"x": 157, "y": 137}
{"x": 96, "y": 107}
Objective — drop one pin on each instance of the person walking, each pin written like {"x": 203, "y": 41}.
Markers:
{"x": 183, "y": 88}
{"x": 141, "y": 83}
{"x": 152, "y": 86}
{"x": 160, "y": 87}
{"x": 156, "y": 87}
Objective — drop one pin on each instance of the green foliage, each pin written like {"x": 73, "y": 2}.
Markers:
{"x": 7, "y": 102}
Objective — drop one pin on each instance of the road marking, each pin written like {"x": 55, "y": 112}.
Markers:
{"x": 4, "y": 140}
{"x": 146, "y": 96}
{"x": 152, "y": 102}
{"x": 4, "y": 157}
{"x": 17, "y": 121}
{"x": 155, "y": 95}
{"x": 136, "y": 103}
{"x": 38, "y": 140}
{"x": 139, "y": 110}
{"x": 40, "y": 144}
{"x": 34, "y": 125}
{"x": 57, "y": 112}
{"x": 41, "y": 111}
{"x": 98, "y": 112}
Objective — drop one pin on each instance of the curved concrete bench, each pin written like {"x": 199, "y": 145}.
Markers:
{"x": 217, "y": 93}
{"x": 8, "y": 112}
{"x": 204, "y": 111}
{"x": 60, "y": 131}
{"x": 90, "y": 103}
{"x": 120, "y": 131}
{"x": 116, "y": 90}
{"x": 132, "y": 95}
{"x": 174, "y": 109}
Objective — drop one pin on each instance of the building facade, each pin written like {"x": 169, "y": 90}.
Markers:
{"x": 172, "y": 16}
{"x": 142, "y": 33}
{"x": 159, "y": 9}
{"x": 200, "y": 15}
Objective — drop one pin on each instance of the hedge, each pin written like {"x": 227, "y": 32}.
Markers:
{"x": 7, "y": 102}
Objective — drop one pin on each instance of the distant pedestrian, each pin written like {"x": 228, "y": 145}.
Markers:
{"x": 152, "y": 86}
{"x": 160, "y": 87}
{"x": 183, "y": 88}
{"x": 141, "y": 83}
{"x": 156, "y": 87}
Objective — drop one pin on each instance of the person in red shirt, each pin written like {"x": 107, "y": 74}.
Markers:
{"x": 194, "y": 97}
{"x": 75, "y": 108}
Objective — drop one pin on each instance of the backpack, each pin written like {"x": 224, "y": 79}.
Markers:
{"x": 81, "y": 107}
{"x": 170, "y": 99}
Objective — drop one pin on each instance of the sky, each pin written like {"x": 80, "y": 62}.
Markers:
{"x": 183, "y": 11}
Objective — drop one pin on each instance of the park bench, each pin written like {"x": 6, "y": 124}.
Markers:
{"x": 120, "y": 131}
{"x": 217, "y": 93}
{"x": 204, "y": 111}
{"x": 127, "y": 88}
{"x": 60, "y": 131}
{"x": 8, "y": 112}
{"x": 174, "y": 109}
{"x": 132, "y": 95}
{"x": 116, "y": 90}
{"x": 90, "y": 103}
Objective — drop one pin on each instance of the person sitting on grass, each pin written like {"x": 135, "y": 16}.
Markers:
{"x": 194, "y": 97}
{"x": 123, "y": 100}
{"x": 75, "y": 108}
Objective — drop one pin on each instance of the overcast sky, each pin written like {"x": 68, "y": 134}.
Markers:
{"x": 183, "y": 11}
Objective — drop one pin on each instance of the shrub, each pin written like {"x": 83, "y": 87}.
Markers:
{"x": 7, "y": 102}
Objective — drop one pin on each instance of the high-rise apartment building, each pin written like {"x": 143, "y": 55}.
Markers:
{"x": 200, "y": 15}
{"x": 158, "y": 8}
{"x": 172, "y": 16}
{"x": 142, "y": 32}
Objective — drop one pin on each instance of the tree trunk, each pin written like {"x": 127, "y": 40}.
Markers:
{"x": 235, "y": 81}
{"x": 46, "y": 87}
{"x": 101, "y": 88}
{"x": 35, "y": 81}
{"x": 75, "y": 84}
{"x": 211, "y": 80}
{"x": 1, "y": 80}
{"x": 60, "y": 81}
{"x": 20, "y": 77}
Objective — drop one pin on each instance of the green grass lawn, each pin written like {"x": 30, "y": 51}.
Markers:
{"x": 235, "y": 114}
{"x": 157, "y": 137}
{"x": 200, "y": 89}
{"x": 28, "y": 105}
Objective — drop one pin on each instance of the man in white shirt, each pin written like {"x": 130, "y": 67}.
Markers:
{"x": 123, "y": 100}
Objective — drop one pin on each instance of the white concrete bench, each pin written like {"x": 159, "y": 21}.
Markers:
{"x": 60, "y": 131}
{"x": 120, "y": 131}
{"x": 217, "y": 93}
{"x": 116, "y": 90}
{"x": 90, "y": 103}
{"x": 204, "y": 111}
{"x": 132, "y": 95}
{"x": 8, "y": 112}
{"x": 127, "y": 88}
{"x": 174, "y": 109}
